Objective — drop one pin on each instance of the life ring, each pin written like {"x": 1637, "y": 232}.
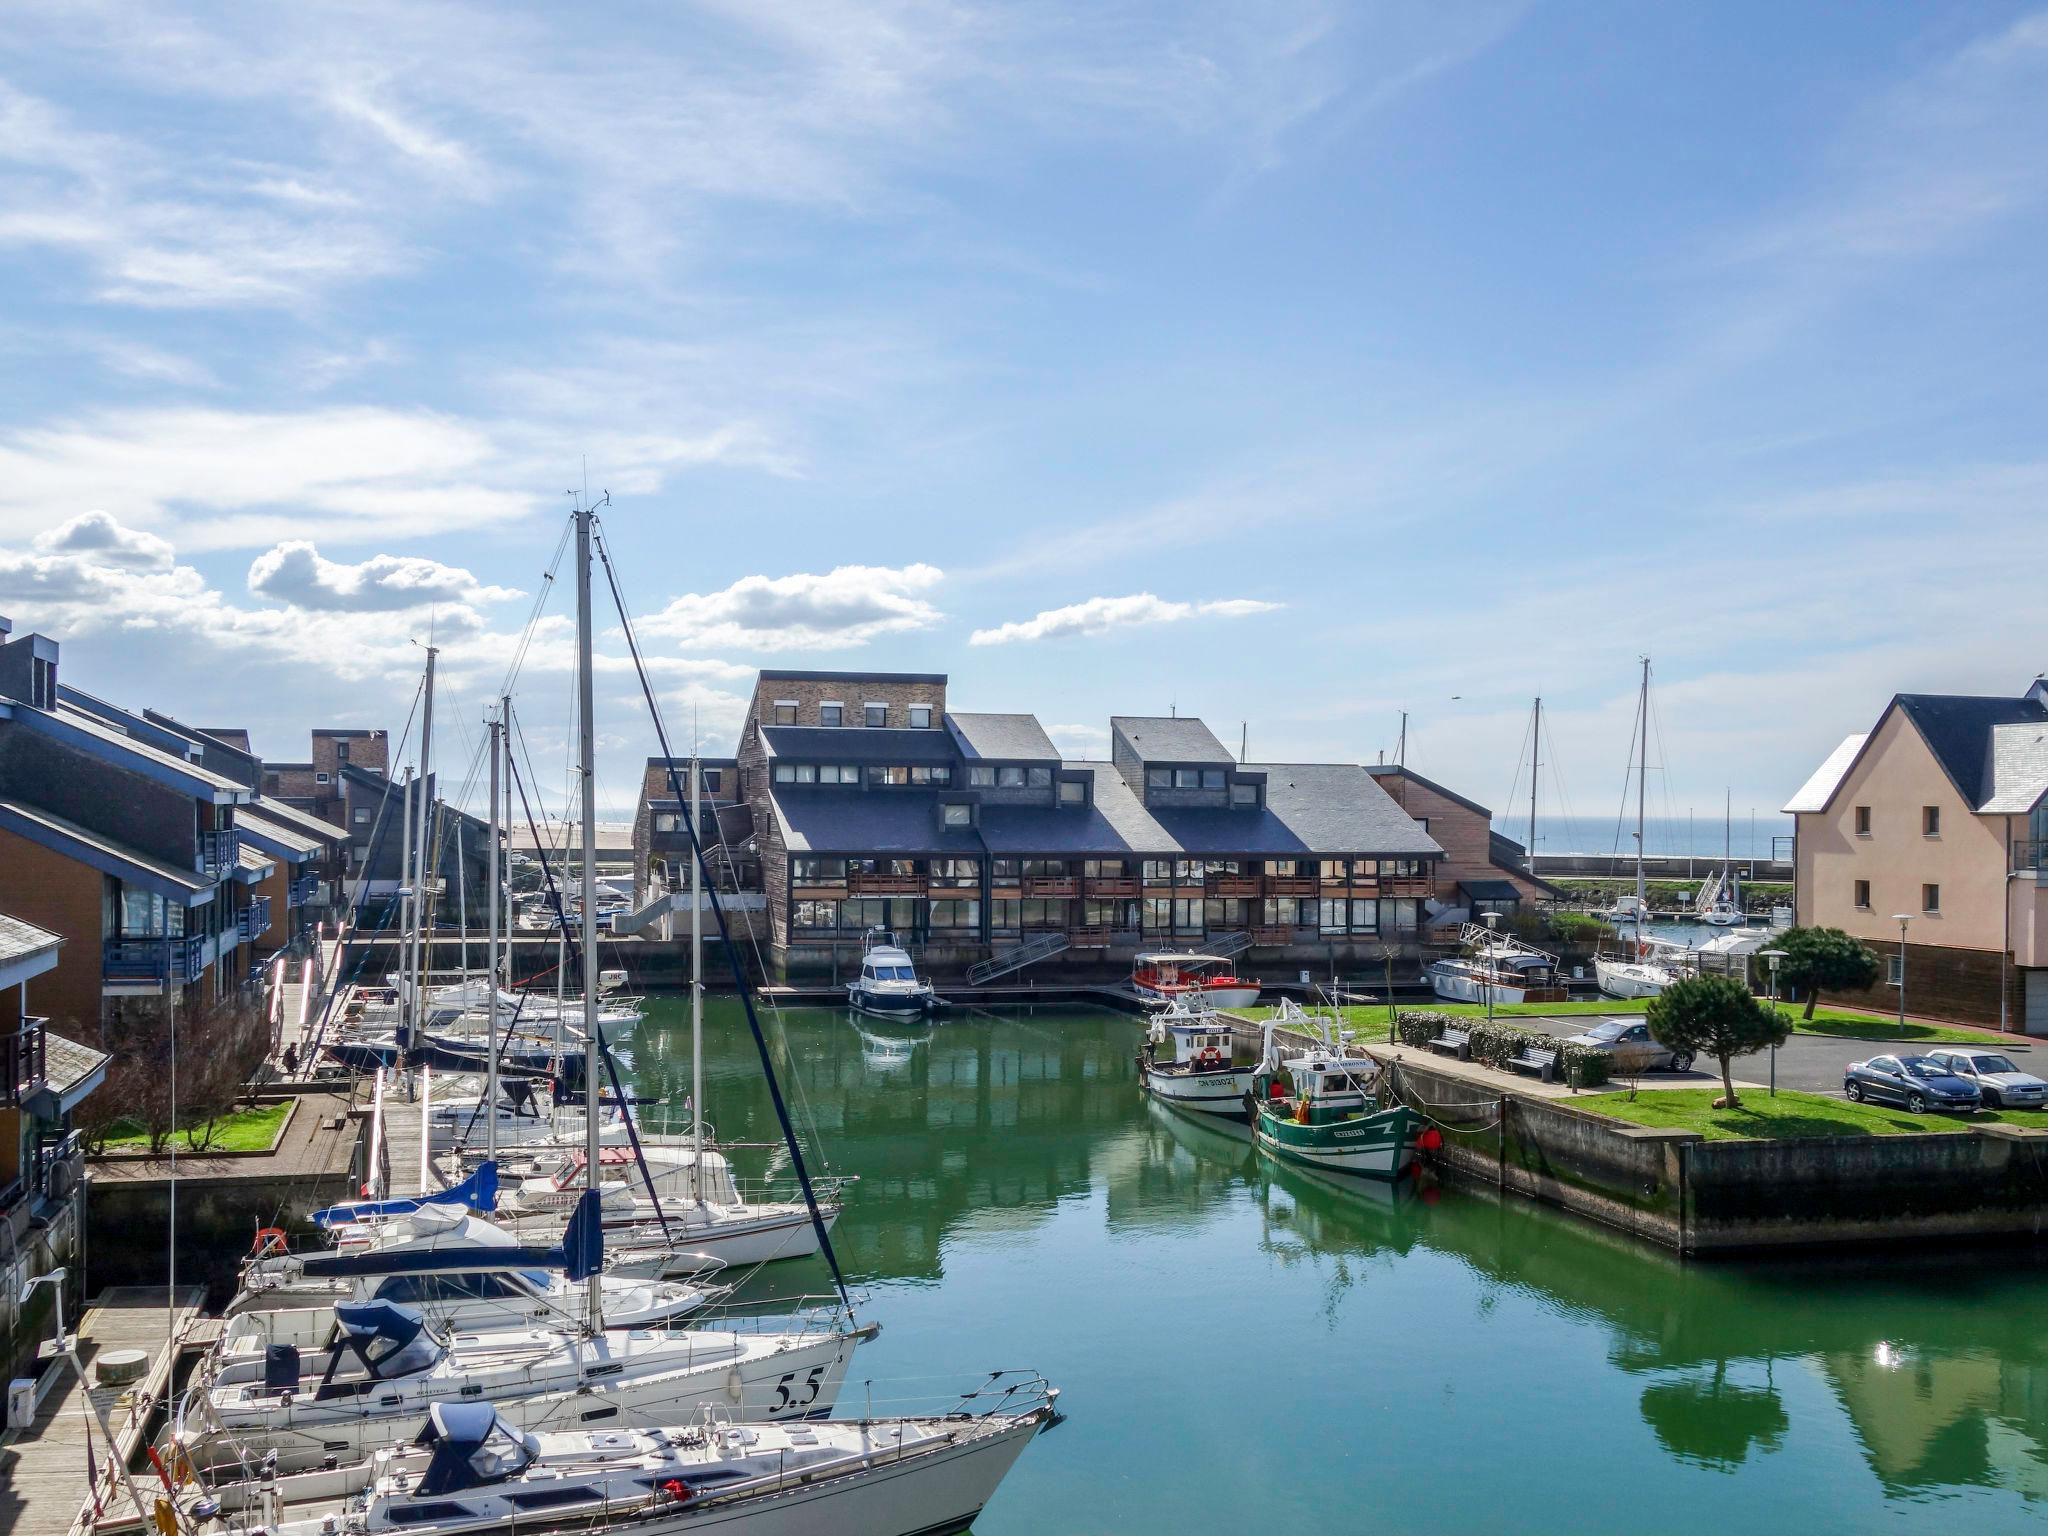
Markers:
{"x": 1208, "y": 1058}
{"x": 268, "y": 1241}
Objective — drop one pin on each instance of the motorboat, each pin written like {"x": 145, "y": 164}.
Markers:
{"x": 1495, "y": 966}
{"x": 388, "y": 1366}
{"x": 1167, "y": 976}
{"x": 1644, "y": 969}
{"x": 888, "y": 984}
{"x": 477, "y": 1469}
{"x": 1320, "y": 1107}
{"x": 457, "y": 1268}
{"x": 1197, "y": 1074}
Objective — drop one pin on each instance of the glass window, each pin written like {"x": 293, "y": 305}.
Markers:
{"x": 1113, "y": 868}
{"x": 1863, "y": 821}
{"x": 711, "y": 779}
{"x": 1010, "y": 778}
{"x": 1212, "y": 778}
{"x": 1930, "y": 821}
{"x": 1334, "y": 870}
{"x": 1045, "y": 868}
{"x": 665, "y": 821}
{"x": 1159, "y": 778}
{"x": 920, "y": 717}
{"x": 1157, "y": 913}
{"x": 1930, "y": 898}
{"x": 959, "y": 815}
{"x": 807, "y": 773}
{"x": 362, "y": 815}
{"x": 875, "y": 715}
{"x": 1039, "y": 778}
{"x": 1187, "y": 778}
{"x": 1336, "y": 915}
{"x": 785, "y": 773}
{"x": 1365, "y": 869}
{"x": 1862, "y": 895}
{"x": 1365, "y": 916}
{"x": 942, "y": 773}
{"x": 832, "y": 714}
{"x": 1242, "y": 793}
{"x": 785, "y": 711}
{"x": 1073, "y": 792}
{"x": 320, "y": 778}
{"x": 956, "y": 914}
{"x": 1187, "y": 914}
{"x": 1005, "y": 916}
{"x": 981, "y": 776}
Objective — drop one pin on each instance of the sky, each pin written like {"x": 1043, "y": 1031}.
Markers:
{"x": 1289, "y": 364}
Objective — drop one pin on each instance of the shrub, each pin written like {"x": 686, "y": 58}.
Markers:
{"x": 1584, "y": 1066}
{"x": 1419, "y": 1026}
{"x": 1495, "y": 1043}
{"x": 1579, "y": 928}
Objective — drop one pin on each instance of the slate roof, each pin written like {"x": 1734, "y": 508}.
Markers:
{"x": 1957, "y": 729}
{"x": 1170, "y": 739}
{"x": 19, "y": 940}
{"x": 276, "y": 834}
{"x": 1008, "y": 738}
{"x": 2017, "y": 769}
{"x": 861, "y": 821}
{"x": 857, "y": 744}
{"x": 67, "y": 1064}
{"x": 1402, "y": 771}
{"x": 165, "y": 767}
{"x": 1818, "y": 790}
{"x": 304, "y": 823}
{"x": 104, "y": 853}
{"x": 256, "y": 862}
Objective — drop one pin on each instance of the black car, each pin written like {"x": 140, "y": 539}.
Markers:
{"x": 1917, "y": 1083}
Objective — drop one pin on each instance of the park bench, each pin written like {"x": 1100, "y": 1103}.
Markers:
{"x": 1452, "y": 1042}
{"x": 1535, "y": 1058}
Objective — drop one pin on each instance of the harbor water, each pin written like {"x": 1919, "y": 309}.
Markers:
{"x": 1243, "y": 1346}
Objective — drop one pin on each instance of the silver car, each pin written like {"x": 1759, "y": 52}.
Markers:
{"x": 2002, "y": 1084}
{"x": 1631, "y": 1048}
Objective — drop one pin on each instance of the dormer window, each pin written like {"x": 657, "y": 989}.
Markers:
{"x": 1244, "y": 794}
{"x": 875, "y": 716}
{"x": 1159, "y": 778}
{"x": 920, "y": 717}
{"x": 785, "y": 711}
{"x": 956, "y": 814}
{"x": 1073, "y": 792}
{"x": 832, "y": 712}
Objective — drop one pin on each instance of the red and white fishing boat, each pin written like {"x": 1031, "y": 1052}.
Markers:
{"x": 1173, "y": 977}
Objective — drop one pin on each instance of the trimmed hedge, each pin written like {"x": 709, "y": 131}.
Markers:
{"x": 1495, "y": 1044}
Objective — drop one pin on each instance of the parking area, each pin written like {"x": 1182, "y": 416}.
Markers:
{"x": 1811, "y": 1063}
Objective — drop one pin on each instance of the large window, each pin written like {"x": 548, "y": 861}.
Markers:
{"x": 1109, "y": 914}
{"x": 956, "y": 872}
{"x": 1005, "y": 916}
{"x": 1288, "y": 912}
{"x": 920, "y": 717}
{"x": 940, "y": 774}
{"x": 876, "y": 715}
{"x": 1109, "y": 868}
{"x": 1159, "y": 778}
{"x": 981, "y": 776}
{"x": 1010, "y": 778}
{"x": 1039, "y": 778}
{"x": 880, "y": 774}
{"x": 955, "y": 915}
{"x": 1212, "y": 778}
{"x": 1158, "y": 871}
{"x": 1188, "y": 778}
{"x": 1044, "y": 868}
{"x": 1245, "y": 794}
{"x": 811, "y": 869}
{"x": 1044, "y": 914}
{"x": 712, "y": 778}
{"x": 1398, "y": 916}
{"x": 1073, "y": 792}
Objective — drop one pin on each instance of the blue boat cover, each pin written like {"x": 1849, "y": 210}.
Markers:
{"x": 379, "y": 1320}
{"x": 479, "y": 1192}
{"x": 583, "y": 1240}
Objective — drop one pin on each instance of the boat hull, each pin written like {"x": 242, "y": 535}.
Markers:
{"x": 1380, "y": 1146}
{"x": 889, "y": 1005}
{"x": 1200, "y": 1093}
{"x": 1628, "y": 981}
{"x": 1243, "y": 996}
{"x": 1458, "y": 987}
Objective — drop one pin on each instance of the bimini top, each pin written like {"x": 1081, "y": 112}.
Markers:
{"x": 392, "y": 1340}
{"x": 1177, "y": 957}
{"x": 471, "y": 1446}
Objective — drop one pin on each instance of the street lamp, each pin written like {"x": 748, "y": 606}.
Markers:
{"x": 1490, "y": 919}
{"x": 1772, "y": 957}
{"x": 1902, "y": 918}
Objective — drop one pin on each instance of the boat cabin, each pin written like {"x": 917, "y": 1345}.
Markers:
{"x": 1333, "y": 1084}
{"x": 1201, "y": 1045}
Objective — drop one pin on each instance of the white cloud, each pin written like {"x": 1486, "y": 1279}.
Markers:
{"x": 848, "y": 605}
{"x": 1099, "y": 615}
{"x": 297, "y": 573}
{"x": 99, "y": 538}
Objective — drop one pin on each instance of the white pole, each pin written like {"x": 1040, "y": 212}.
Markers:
{"x": 491, "y": 971}
{"x": 586, "y": 730}
{"x": 1642, "y": 779}
{"x": 405, "y": 902}
{"x": 423, "y": 857}
{"x": 505, "y": 715}
{"x": 697, "y": 980}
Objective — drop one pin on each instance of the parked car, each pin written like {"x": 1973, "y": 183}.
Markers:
{"x": 1917, "y": 1083}
{"x": 1631, "y": 1048}
{"x": 2001, "y": 1084}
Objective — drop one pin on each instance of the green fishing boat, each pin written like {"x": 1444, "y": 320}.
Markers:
{"x": 1320, "y": 1108}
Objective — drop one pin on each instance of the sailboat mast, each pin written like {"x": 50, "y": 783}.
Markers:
{"x": 491, "y": 968}
{"x": 1642, "y": 780}
{"x": 423, "y": 859}
{"x": 697, "y": 981}
{"x": 1535, "y": 756}
{"x": 505, "y": 742}
{"x": 407, "y": 901}
{"x": 586, "y": 747}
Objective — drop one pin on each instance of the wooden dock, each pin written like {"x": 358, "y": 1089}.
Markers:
{"x": 43, "y": 1479}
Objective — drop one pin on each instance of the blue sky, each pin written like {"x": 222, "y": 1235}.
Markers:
{"x": 1290, "y": 364}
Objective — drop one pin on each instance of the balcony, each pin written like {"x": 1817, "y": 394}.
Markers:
{"x": 220, "y": 852}
{"x": 1409, "y": 885}
{"x": 1232, "y": 885}
{"x": 21, "y": 1062}
{"x": 1058, "y": 887}
{"x": 1105, "y": 887}
{"x": 303, "y": 891}
{"x": 1279, "y": 936}
{"x": 174, "y": 962}
{"x": 253, "y": 921}
{"x": 860, "y": 883}
{"x": 1293, "y": 885}
{"x": 2029, "y": 857}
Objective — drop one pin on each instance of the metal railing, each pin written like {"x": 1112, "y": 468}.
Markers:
{"x": 220, "y": 852}
{"x": 21, "y": 1061}
{"x": 176, "y": 961}
{"x": 253, "y": 921}
{"x": 2028, "y": 855}
{"x": 1043, "y": 947}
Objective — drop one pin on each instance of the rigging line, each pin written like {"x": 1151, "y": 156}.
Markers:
{"x": 540, "y": 599}
{"x": 1521, "y": 757}
{"x": 593, "y": 1093}
{"x": 1564, "y": 799}
{"x": 732, "y": 954}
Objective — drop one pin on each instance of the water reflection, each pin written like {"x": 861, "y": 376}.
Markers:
{"x": 988, "y": 1132}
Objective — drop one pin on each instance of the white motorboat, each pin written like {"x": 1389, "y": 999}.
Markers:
{"x": 472, "y": 1469}
{"x": 389, "y": 1366}
{"x": 888, "y": 984}
{"x": 1632, "y": 978}
{"x": 1168, "y": 976}
{"x": 1198, "y": 1075}
{"x": 1496, "y": 966}
{"x": 457, "y": 1269}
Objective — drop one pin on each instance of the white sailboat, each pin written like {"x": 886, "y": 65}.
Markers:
{"x": 1721, "y": 901}
{"x": 1643, "y": 967}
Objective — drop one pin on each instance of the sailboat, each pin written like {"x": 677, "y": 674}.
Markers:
{"x": 1721, "y": 902}
{"x": 1643, "y": 968}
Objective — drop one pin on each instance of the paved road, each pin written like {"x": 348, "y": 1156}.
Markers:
{"x": 1811, "y": 1063}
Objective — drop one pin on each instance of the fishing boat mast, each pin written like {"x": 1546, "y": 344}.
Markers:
{"x": 586, "y": 731}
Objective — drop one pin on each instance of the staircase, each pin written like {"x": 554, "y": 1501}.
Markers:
{"x": 646, "y": 917}
{"x": 1030, "y": 952}
{"x": 1710, "y": 892}
{"x": 1228, "y": 944}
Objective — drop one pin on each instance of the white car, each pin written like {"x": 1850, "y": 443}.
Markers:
{"x": 2002, "y": 1084}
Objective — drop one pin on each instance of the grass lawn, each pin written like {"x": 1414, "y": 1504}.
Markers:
{"x": 246, "y": 1130}
{"x": 1762, "y": 1117}
{"x": 1838, "y": 1022}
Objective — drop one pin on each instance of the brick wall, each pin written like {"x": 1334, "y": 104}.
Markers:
{"x": 852, "y": 691}
{"x": 45, "y": 888}
{"x": 1463, "y": 834}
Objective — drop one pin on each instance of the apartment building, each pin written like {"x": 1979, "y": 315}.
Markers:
{"x": 661, "y": 843}
{"x": 43, "y": 1078}
{"x": 1925, "y": 837}
{"x": 318, "y": 783}
{"x": 872, "y": 804}
{"x": 1481, "y": 870}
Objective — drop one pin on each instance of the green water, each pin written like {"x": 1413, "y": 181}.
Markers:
{"x": 1245, "y": 1347}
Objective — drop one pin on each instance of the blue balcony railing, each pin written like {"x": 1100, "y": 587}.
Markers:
{"x": 220, "y": 852}
{"x": 303, "y": 891}
{"x": 21, "y": 1062}
{"x": 178, "y": 962}
{"x": 254, "y": 919}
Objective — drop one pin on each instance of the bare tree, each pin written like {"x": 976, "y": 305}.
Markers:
{"x": 217, "y": 1046}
